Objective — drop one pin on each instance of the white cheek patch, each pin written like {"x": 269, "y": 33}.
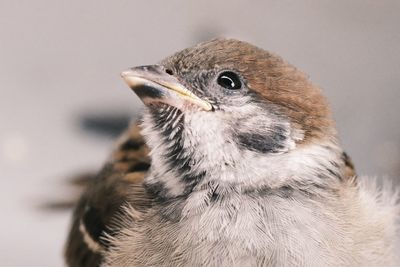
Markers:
{"x": 265, "y": 132}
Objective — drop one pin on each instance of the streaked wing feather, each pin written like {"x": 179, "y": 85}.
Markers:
{"x": 101, "y": 203}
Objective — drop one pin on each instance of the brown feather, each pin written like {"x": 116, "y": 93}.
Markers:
{"x": 104, "y": 196}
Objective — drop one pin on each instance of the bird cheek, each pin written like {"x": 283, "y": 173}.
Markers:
{"x": 265, "y": 139}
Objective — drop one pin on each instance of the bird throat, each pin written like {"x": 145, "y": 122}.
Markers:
{"x": 172, "y": 173}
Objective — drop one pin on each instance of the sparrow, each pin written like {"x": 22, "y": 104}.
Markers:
{"x": 235, "y": 162}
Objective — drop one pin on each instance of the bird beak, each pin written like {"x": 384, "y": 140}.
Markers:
{"x": 153, "y": 85}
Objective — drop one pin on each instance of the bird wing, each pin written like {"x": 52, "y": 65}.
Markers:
{"x": 97, "y": 210}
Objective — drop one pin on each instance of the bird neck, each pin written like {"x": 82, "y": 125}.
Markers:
{"x": 183, "y": 162}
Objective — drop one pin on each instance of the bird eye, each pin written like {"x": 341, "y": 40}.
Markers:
{"x": 229, "y": 80}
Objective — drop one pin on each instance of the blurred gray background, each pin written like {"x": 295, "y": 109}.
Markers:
{"x": 59, "y": 83}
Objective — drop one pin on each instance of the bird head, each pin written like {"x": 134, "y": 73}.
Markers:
{"x": 230, "y": 113}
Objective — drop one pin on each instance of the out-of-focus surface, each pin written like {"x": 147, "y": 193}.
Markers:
{"x": 59, "y": 71}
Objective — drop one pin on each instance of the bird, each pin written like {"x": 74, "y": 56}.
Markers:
{"x": 235, "y": 161}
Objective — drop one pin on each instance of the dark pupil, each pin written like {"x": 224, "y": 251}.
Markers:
{"x": 229, "y": 80}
